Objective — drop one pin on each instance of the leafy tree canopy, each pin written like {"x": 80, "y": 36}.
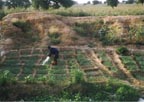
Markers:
{"x": 1, "y": 4}
{"x": 96, "y": 2}
{"x": 141, "y": 1}
{"x": 45, "y": 4}
{"x": 112, "y": 3}
{"x": 17, "y": 3}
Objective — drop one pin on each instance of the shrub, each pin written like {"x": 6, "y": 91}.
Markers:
{"x": 122, "y": 50}
{"x": 87, "y": 28}
{"x": 24, "y": 26}
{"x": 6, "y": 78}
{"x": 127, "y": 93}
{"x": 55, "y": 38}
{"x": 2, "y": 14}
{"x": 77, "y": 76}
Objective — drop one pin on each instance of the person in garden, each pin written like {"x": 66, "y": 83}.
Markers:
{"x": 53, "y": 52}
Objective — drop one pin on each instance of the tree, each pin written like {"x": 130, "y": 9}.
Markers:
{"x": 141, "y": 1}
{"x": 130, "y": 2}
{"x": 96, "y": 2}
{"x": 1, "y": 4}
{"x": 26, "y": 3}
{"x": 88, "y": 2}
{"x": 112, "y": 3}
{"x": 17, "y": 3}
{"x": 45, "y": 4}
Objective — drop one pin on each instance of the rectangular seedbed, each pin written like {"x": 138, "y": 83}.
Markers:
{"x": 106, "y": 61}
{"x": 97, "y": 79}
{"x": 58, "y": 71}
{"x": 129, "y": 63}
{"x": 37, "y": 51}
{"x": 42, "y": 70}
{"x": 28, "y": 70}
{"x": 83, "y": 60}
{"x": 11, "y": 62}
{"x": 139, "y": 75}
{"x": 13, "y": 70}
{"x": 12, "y": 54}
{"x": 25, "y": 52}
{"x": 23, "y": 76}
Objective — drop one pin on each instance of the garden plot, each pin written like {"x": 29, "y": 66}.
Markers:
{"x": 138, "y": 75}
{"x": 27, "y": 64}
{"x": 25, "y": 51}
{"x": 140, "y": 60}
{"x": 13, "y": 54}
{"x": 106, "y": 61}
{"x": 129, "y": 63}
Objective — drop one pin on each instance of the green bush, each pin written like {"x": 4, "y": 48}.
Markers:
{"x": 6, "y": 78}
{"x": 122, "y": 50}
{"x": 55, "y": 38}
{"x": 87, "y": 28}
{"x": 127, "y": 93}
{"x": 23, "y": 25}
{"x": 2, "y": 14}
{"x": 77, "y": 76}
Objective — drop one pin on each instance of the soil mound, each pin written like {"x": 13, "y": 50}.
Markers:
{"x": 41, "y": 26}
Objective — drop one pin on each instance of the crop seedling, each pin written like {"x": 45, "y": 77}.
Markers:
{"x": 29, "y": 79}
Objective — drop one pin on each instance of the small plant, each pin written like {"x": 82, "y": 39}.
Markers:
{"x": 127, "y": 93}
{"x": 6, "y": 78}
{"x": 43, "y": 79}
{"x": 55, "y": 38}
{"x": 29, "y": 79}
{"x": 77, "y": 76}
{"x": 122, "y": 50}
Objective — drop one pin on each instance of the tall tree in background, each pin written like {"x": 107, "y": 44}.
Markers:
{"x": 141, "y": 1}
{"x": 130, "y": 1}
{"x": 96, "y": 2}
{"x": 45, "y": 4}
{"x": 17, "y": 3}
{"x": 26, "y": 3}
{"x": 1, "y": 4}
{"x": 112, "y": 3}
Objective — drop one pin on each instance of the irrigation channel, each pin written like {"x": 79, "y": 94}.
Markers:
{"x": 97, "y": 64}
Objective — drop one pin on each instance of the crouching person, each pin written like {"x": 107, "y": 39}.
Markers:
{"x": 53, "y": 52}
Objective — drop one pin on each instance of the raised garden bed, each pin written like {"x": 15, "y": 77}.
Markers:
{"x": 129, "y": 63}
{"x": 106, "y": 61}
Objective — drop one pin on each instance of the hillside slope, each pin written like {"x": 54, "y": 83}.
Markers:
{"x": 39, "y": 26}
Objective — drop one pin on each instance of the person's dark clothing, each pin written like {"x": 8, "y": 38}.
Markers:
{"x": 54, "y": 52}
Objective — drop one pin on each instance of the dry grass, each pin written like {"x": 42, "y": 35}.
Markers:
{"x": 103, "y": 10}
{"x": 91, "y": 10}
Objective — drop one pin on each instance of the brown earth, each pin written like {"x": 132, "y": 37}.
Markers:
{"x": 43, "y": 24}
